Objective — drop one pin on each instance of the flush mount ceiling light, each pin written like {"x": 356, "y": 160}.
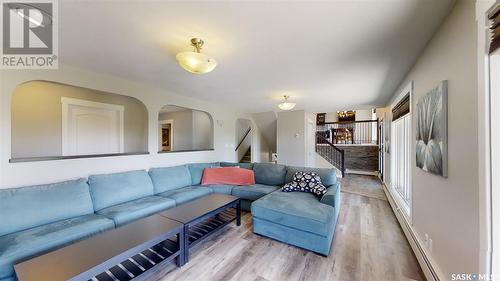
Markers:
{"x": 286, "y": 105}
{"x": 195, "y": 61}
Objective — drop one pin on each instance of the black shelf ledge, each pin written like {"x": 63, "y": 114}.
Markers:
{"x": 52, "y": 158}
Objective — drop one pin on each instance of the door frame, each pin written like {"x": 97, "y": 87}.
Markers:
{"x": 407, "y": 90}
{"x": 488, "y": 229}
{"x": 68, "y": 102}
{"x": 381, "y": 148}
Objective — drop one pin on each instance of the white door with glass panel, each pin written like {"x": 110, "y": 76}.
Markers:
{"x": 91, "y": 127}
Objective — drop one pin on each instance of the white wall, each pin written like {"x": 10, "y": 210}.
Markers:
{"x": 202, "y": 130}
{"x": 291, "y": 138}
{"x": 18, "y": 174}
{"x": 363, "y": 114}
{"x": 447, "y": 208}
{"x": 182, "y": 132}
{"x": 266, "y": 123}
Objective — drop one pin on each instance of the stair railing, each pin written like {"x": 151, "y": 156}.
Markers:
{"x": 243, "y": 139}
{"x": 330, "y": 152}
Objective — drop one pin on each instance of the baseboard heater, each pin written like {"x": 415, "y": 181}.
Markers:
{"x": 427, "y": 266}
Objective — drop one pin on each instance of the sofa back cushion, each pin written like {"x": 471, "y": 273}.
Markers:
{"x": 228, "y": 175}
{"x": 328, "y": 176}
{"x": 168, "y": 178}
{"x": 248, "y": 166}
{"x": 196, "y": 171}
{"x": 112, "y": 189}
{"x": 31, "y": 206}
{"x": 269, "y": 174}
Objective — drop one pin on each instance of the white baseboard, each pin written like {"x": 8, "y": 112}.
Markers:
{"x": 428, "y": 265}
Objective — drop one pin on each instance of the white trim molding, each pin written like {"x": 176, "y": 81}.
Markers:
{"x": 67, "y": 103}
{"x": 485, "y": 186}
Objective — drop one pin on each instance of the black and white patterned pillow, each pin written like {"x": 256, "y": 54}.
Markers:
{"x": 305, "y": 182}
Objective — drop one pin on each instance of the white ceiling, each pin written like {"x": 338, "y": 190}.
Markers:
{"x": 327, "y": 56}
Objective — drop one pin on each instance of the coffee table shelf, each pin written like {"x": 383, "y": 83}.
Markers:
{"x": 199, "y": 231}
{"x": 204, "y": 216}
{"x": 133, "y": 267}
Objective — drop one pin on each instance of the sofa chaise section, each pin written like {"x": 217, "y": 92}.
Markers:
{"x": 39, "y": 219}
{"x": 297, "y": 218}
{"x": 125, "y": 197}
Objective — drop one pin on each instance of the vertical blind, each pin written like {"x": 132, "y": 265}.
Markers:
{"x": 494, "y": 16}
{"x": 402, "y": 108}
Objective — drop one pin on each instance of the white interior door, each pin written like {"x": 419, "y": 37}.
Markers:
{"x": 91, "y": 128}
{"x": 310, "y": 144}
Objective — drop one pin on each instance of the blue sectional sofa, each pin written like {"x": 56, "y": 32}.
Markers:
{"x": 39, "y": 219}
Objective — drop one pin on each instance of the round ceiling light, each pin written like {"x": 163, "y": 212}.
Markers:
{"x": 286, "y": 105}
{"x": 195, "y": 61}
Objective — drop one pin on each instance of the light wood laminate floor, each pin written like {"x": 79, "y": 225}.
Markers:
{"x": 368, "y": 245}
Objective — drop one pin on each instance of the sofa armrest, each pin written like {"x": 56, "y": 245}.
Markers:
{"x": 332, "y": 196}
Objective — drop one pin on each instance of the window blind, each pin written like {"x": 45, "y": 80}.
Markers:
{"x": 494, "y": 16}
{"x": 401, "y": 109}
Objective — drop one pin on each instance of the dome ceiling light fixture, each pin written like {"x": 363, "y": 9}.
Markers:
{"x": 286, "y": 105}
{"x": 195, "y": 61}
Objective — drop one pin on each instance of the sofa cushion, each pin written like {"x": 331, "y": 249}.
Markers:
{"x": 31, "y": 206}
{"x": 113, "y": 189}
{"x": 185, "y": 194}
{"x": 253, "y": 192}
{"x": 23, "y": 245}
{"x": 220, "y": 188}
{"x": 270, "y": 174}
{"x": 196, "y": 171}
{"x": 169, "y": 178}
{"x": 228, "y": 175}
{"x": 328, "y": 176}
{"x": 136, "y": 209}
{"x": 298, "y": 210}
{"x": 305, "y": 182}
{"x": 248, "y": 166}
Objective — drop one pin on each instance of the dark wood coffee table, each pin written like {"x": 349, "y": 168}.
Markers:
{"x": 128, "y": 252}
{"x": 203, "y": 217}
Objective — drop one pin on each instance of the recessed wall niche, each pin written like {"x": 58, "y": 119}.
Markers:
{"x": 184, "y": 129}
{"x": 53, "y": 120}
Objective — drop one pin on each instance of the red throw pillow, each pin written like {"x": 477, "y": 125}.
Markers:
{"x": 228, "y": 175}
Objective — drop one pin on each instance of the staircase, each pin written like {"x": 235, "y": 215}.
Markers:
{"x": 330, "y": 152}
{"x": 245, "y": 143}
{"x": 247, "y": 158}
